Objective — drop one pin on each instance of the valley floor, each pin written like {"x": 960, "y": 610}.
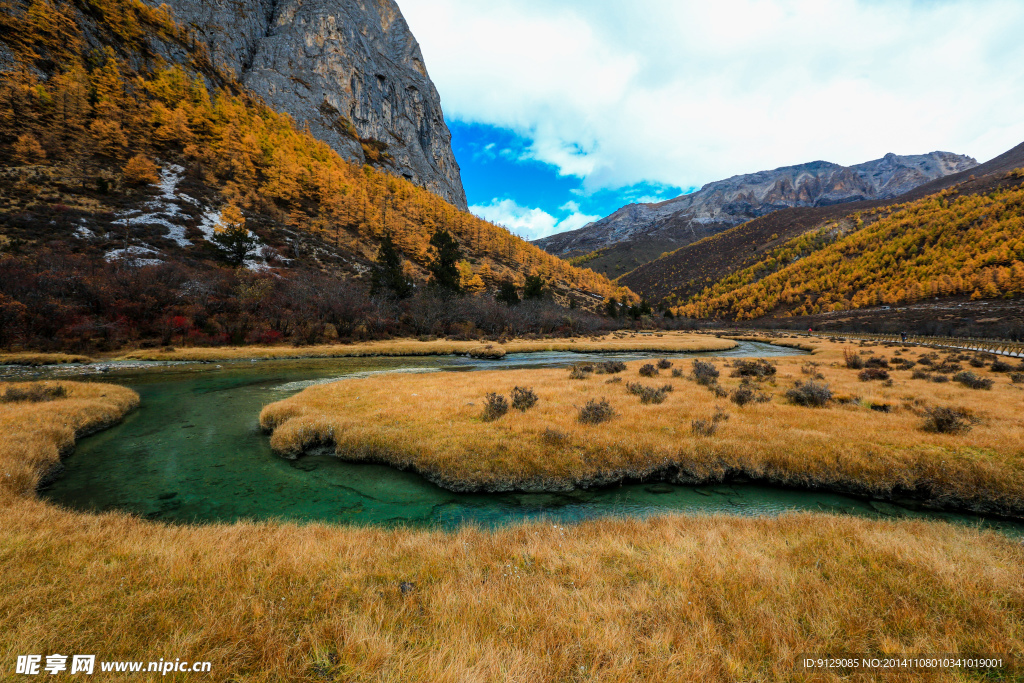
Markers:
{"x": 667, "y": 599}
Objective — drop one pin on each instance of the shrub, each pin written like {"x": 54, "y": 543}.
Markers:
{"x": 853, "y": 359}
{"x": 596, "y": 412}
{"x": 926, "y": 359}
{"x": 940, "y": 379}
{"x": 904, "y": 364}
{"x": 869, "y": 374}
{"x": 648, "y": 370}
{"x": 1000, "y": 366}
{"x": 972, "y": 381}
{"x": 667, "y": 388}
{"x": 704, "y": 373}
{"x": 757, "y": 367}
{"x": 579, "y": 372}
{"x": 613, "y": 380}
{"x": 947, "y": 420}
{"x": 1017, "y": 377}
{"x": 810, "y": 394}
{"x": 523, "y": 399}
{"x": 33, "y": 393}
{"x": 876, "y": 362}
{"x": 677, "y": 372}
{"x": 647, "y": 394}
{"x": 746, "y": 393}
{"x": 920, "y": 374}
{"x": 495, "y": 405}
{"x": 811, "y": 369}
{"x": 664, "y": 364}
{"x": 947, "y": 368}
{"x": 718, "y": 390}
{"x": 977, "y": 362}
{"x": 709, "y": 427}
{"x": 704, "y": 427}
{"x": 610, "y": 367}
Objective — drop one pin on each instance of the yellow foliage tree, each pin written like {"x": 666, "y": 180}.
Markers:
{"x": 27, "y": 150}
{"x": 140, "y": 170}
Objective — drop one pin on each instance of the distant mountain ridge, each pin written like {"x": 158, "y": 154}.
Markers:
{"x": 688, "y": 270}
{"x": 726, "y": 203}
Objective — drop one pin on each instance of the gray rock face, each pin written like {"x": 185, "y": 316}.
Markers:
{"x": 333, "y": 64}
{"x": 726, "y": 203}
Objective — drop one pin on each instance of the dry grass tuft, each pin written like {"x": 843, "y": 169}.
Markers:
{"x": 33, "y": 393}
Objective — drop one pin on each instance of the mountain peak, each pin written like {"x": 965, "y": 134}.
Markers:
{"x": 722, "y": 204}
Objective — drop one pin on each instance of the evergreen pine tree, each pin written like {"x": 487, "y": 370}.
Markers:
{"x": 508, "y": 294}
{"x": 388, "y": 275}
{"x": 534, "y": 287}
{"x": 444, "y": 267}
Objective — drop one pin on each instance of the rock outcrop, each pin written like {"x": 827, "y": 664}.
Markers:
{"x": 726, "y": 203}
{"x": 349, "y": 69}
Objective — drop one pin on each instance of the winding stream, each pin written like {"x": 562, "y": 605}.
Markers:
{"x": 193, "y": 452}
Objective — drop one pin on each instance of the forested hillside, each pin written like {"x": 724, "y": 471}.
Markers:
{"x": 110, "y": 111}
{"x": 947, "y": 244}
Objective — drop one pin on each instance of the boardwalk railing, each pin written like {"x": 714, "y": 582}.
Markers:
{"x": 993, "y": 346}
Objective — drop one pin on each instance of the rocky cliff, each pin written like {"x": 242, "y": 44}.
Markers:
{"x": 349, "y": 69}
{"x": 726, "y": 203}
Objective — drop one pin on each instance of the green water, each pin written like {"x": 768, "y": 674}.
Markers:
{"x": 193, "y": 452}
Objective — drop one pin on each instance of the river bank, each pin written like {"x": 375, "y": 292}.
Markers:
{"x": 665, "y": 342}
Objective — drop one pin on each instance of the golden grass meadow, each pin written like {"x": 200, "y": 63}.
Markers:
{"x": 436, "y": 427}
{"x": 674, "y": 598}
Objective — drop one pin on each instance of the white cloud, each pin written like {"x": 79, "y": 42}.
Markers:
{"x": 684, "y": 92}
{"x": 529, "y": 223}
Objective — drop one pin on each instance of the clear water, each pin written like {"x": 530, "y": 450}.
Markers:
{"x": 193, "y": 452}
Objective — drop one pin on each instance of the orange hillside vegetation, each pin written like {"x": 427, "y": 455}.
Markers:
{"x": 942, "y": 245}
{"x": 108, "y": 105}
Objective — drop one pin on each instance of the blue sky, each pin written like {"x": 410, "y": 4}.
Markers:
{"x": 562, "y": 110}
{"x": 506, "y": 185}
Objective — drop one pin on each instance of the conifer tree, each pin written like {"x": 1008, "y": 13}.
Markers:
{"x": 27, "y": 150}
{"x": 140, "y": 170}
{"x": 508, "y": 294}
{"x": 389, "y": 275}
{"x": 534, "y": 287}
{"x": 233, "y": 237}
{"x": 444, "y": 267}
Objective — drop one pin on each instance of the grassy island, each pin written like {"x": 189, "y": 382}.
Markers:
{"x": 619, "y": 341}
{"x": 674, "y": 598}
{"x": 871, "y": 434}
